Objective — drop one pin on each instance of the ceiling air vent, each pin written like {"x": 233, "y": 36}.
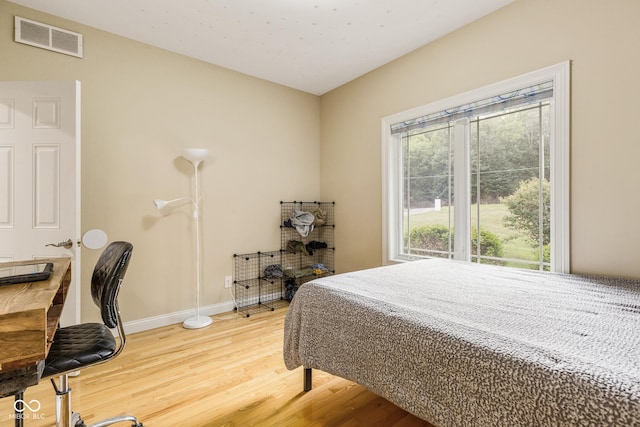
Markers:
{"x": 48, "y": 37}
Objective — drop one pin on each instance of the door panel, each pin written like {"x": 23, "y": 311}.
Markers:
{"x": 39, "y": 197}
{"x": 6, "y": 187}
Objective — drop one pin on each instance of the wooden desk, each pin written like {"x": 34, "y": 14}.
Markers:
{"x": 29, "y": 316}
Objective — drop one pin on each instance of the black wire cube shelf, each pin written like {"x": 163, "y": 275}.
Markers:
{"x": 258, "y": 284}
{"x": 307, "y": 252}
{"x": 264, "y": 281}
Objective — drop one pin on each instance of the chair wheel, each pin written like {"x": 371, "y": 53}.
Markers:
{"x": 76, "y": 421}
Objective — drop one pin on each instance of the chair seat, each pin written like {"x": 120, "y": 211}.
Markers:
{"x": 78, "y": 346}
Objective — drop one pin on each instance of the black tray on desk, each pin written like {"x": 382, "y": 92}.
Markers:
{"x": 25, "y": 273}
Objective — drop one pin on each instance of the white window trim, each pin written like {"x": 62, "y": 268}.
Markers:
{"x": 560, "y": 134}
{"x": 462, "y": 213}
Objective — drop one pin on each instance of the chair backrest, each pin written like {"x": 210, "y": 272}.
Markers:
{"x": 107, "y": 276}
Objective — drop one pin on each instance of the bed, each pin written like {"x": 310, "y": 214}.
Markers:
{"x": 460, "y": 344}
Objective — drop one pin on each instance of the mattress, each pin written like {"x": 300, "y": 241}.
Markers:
{"x": 461, "y": 344}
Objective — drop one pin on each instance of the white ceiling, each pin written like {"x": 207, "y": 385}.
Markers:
{"x": 310, "y": 45}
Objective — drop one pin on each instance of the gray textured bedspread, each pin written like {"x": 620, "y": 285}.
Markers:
{"x": 462, "y": 344}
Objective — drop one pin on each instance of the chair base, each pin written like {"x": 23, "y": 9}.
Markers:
{"x": 119, "y": 419}
{"x": 66, "y": 418}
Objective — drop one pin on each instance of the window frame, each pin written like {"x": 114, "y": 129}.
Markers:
{"x": 560, "y": 167}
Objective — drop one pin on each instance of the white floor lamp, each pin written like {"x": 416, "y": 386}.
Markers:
{"x": 195, "y": 156}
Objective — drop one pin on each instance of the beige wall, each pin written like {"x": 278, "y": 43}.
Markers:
{"x": 140, "y": 107}
{"x": 600, "y": 38}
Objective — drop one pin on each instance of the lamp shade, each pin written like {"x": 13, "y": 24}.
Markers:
{"x": 195, "y": 155}
{"x": 160, "y": 203}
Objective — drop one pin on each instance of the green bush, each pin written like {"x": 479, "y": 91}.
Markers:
{"x": 490, "y": 245}
{"x": 436, "y": 237}
{"x": 546, "y": 254}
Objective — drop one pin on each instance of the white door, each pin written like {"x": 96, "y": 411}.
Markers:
{"x": 39, "y": 176}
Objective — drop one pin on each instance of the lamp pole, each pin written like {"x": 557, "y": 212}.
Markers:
{"x": 195, "y": 156}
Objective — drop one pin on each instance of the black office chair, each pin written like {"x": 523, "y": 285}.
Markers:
{"x": 80, "y": 346}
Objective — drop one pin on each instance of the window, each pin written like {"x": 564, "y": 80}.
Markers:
{"x": 482, "y": 176}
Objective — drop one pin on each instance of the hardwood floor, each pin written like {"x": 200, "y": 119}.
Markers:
{"x": 228, "y": 374}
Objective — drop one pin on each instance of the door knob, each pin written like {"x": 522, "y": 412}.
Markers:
{"x": 67, "y": 244}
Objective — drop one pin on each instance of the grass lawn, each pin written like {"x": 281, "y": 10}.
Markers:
{"x": 514, "y": 243}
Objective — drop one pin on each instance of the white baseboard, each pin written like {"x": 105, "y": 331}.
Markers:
{"x": 176, "y": 317}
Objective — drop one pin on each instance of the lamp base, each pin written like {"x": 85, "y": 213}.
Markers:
{"x": 197, "y": 322}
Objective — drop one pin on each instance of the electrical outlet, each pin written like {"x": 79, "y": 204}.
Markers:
{"x": 228, "y": 281}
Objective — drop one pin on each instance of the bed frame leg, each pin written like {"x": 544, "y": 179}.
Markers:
{"x": 307, "y": 379}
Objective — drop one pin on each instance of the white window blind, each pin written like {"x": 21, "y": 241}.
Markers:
{"x": 527, "y": 95}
